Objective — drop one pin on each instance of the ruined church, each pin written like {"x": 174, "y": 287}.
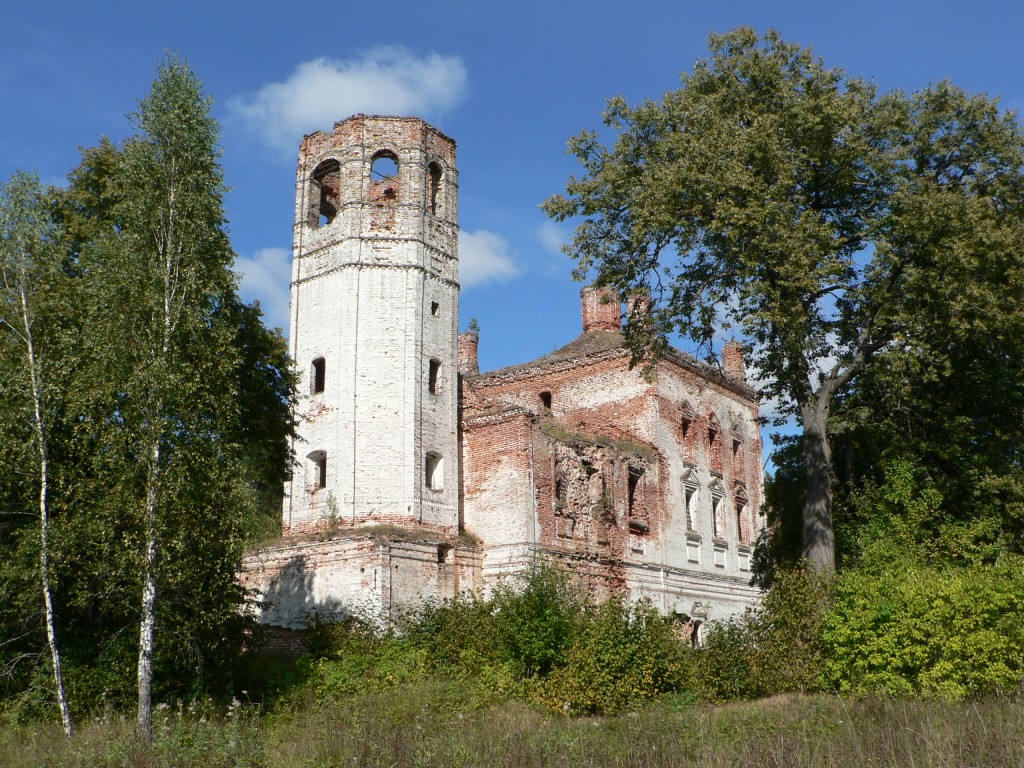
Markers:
{"x": 419, "y": 476}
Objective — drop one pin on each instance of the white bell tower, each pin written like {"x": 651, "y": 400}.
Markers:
{"x": 374, "y": 322}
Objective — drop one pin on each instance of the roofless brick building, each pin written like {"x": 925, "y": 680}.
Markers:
{"x": 419, "y": 477}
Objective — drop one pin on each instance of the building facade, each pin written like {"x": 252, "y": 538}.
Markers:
{"x": 420, "y": 477}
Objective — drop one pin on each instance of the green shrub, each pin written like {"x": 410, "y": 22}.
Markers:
{"x": 723, "y": 670}
{"x": 951, "y": 632}
{"x": 457, "y": 636}
{"x": 536, "y": 617}
{"x": 621, "y": 656}
{"x": 355, "y": 656}
{"x": 775, "y": 648}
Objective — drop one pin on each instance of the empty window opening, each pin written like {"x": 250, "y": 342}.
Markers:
{"x": 443, "y": 552}
{"x": 687, "y": 437}
{"x": 634, "y": 484}
{"x": 696, "y": 634}
{"x": 742, "y": 522}
{"x": 434, "y": 377}
{"x": 384, "y": 179}
{"x": 327, "y": 191}
{"x": 545, "y": 400}
{"x": 319, "y": 376}
{"x": 690, "y": 494}
{"x": 434, "y": 185}
{"x": 435, "y": 308}
{"x": 434, "y": 471}
{"x": 317, "y": 463}
{"x": 384, "y": 166}
{"x": 718, "y": 516}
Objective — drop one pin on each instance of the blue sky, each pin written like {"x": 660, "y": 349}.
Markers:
{"x": 511, "y": 82}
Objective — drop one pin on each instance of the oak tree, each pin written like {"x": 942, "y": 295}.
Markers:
{"x": 776, "y": 198}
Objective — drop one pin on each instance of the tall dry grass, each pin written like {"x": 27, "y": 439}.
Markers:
{"x": 445, "y": 724}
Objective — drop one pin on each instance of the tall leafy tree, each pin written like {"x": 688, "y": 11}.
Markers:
{"x": 790, "y": 202}
{"x": 168, "y": 427}
{"x": 171, "y": 272}
{"x": 30, "y": 286}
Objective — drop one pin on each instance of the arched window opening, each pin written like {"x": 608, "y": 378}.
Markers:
{"x": 384, "y": 166}
{"x": 318, "y": 377}
{"x": 696, "y": 633}
{"x": 545, "y": 400}
{"x": 434, "y": 186}
{"x": 434, "y": 377}
{"x": 434, "y": 471}
{"x": 317, "y": 470}
{"x": 384, "y": 179}
{"x": 326, "y": 192}
{"x": 687, "y": 431}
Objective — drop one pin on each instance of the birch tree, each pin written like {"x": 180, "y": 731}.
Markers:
{"x": 29, "y": 270}
{"x": 170, "y": 276}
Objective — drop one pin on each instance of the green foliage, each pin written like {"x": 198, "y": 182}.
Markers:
{"x": 776, "y": 648}
{"x": 621, "y": 656}
{"x": 780, "y": 543}
{"x": 831, "y": 227}
{"x": 536, "y": 638}
{"x": 457, "y": 638}
{"x": 536, "y": 618}
{"x": 913, "y": 629}
{"x": 905, "y": 519}
{"x": 147, "y": 346}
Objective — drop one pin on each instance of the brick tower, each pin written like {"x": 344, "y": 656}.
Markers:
{"x": 374, "y": 319}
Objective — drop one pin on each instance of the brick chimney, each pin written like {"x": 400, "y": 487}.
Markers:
{"x": 468, "y": 343}
{"x": 732, "y": 361}
{"x": 602, "y": 309}
{"x": 638, "y": 303}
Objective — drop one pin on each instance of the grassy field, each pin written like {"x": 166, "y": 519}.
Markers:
{"x": 450, "y": 724}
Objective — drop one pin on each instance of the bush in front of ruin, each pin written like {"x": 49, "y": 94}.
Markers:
{"x": 774, "y": 648}
{"x": 537, "y": 637}
{"x": 927, "y": 630}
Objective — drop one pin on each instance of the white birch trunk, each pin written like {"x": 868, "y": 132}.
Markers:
{"x": 147, "y": 623}
{"x": 44, "y": 519}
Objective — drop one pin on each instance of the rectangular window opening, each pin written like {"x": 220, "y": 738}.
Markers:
{"x": 319, "y": 378}
{"x": 434, "y": 377}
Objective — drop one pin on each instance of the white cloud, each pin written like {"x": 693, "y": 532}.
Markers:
{"x": 388, "y": 80}
{"x": 484, "y": 256}
{"x": 267, "y": 277}
{"x": 552, "y": 237}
